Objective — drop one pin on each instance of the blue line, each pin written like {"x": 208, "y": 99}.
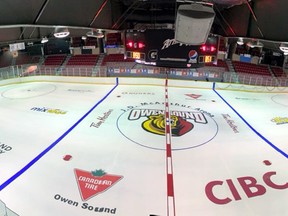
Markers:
{"x": 27, "y": 166}
{"x": 253, "y": 129}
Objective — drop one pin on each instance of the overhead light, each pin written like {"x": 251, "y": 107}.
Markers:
{"x": 254, "y": 44}
{"x": 193, "y": 23}
{"x": 83, "y": 37}
{"x": 97, "y": 34}
{"x": 240, "y": 41}
{"x": 61, "y": 32}
{"x": 284, "y": 47}
{"x": 44, "y": 40}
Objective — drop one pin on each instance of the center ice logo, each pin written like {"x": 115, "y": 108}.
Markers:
{"x": 156, "y": 124}
{"x": 145, "y": 126}
{"x": 156, "y": 120}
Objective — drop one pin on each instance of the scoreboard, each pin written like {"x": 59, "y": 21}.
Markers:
{"x": 158, "y": 47}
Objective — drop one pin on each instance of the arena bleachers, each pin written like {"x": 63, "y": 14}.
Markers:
{"x": 26, "y": 59}
{"x": 243, "y": 67}
{"x": 220, "y": 63}
{"x": 278, "y": 71}
{"x": 85, "y": 59}
{"x": 117, "y": 60}
{"x": 54, "y": 60}
{"x": 5, "y": 60}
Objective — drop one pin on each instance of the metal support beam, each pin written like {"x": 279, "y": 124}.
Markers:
{"x": 115, "y": 25}
{"x": 98, "y": 12}
{"x": 255, "y": 18}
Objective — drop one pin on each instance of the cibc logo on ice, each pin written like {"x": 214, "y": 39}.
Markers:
{"x": 145, "y": 125}
{"x": 222, "y": 192}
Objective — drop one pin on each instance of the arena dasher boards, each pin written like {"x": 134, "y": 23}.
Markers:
{"x": 159, "y": 47}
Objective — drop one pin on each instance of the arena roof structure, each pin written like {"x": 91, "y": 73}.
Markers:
{"x": 34, "y": 19}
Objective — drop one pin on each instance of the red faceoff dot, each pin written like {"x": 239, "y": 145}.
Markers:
{"x": 67, "y": 157}
{"x": 267, "y": 162}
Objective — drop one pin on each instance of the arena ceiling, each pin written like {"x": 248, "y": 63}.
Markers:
{"x": 30, "y": 20}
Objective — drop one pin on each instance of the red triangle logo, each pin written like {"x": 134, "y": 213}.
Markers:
{"x": 92, "y": 183}
{"x": 194, "y": 96}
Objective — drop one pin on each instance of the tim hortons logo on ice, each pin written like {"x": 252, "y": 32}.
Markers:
{"x": 92, "y": 183}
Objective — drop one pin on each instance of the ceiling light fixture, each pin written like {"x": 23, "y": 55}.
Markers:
{"x": 61, "y": 32}
{"x": 96, "y": 34}
{"x": 240, "y": 41}
{"x": 284, "y": 47}
{"x": 254, "y": 44}
{"x": 44, "y": 40}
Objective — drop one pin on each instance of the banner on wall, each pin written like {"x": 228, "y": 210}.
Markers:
{"x": 244, "y": 58}
{"x": 17, "y": 46}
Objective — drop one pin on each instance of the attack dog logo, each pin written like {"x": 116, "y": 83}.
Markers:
{"x": 156, "y": 124}
{"x": 145, "y": 125}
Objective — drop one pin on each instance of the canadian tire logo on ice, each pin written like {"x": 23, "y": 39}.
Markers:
{"x": 92, "y": 183}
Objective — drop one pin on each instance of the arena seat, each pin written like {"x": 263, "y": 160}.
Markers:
{"x": 23, "y": 59}
{"x": 5, "y": 60}
{"x": 278, "y": 71}
{"x": 117, "y": 60}
{"x": 220, "y": 63}
{"x": 55, "y": 60}
{"x": 84, "y": 59}
{"x": 243, "y": 67}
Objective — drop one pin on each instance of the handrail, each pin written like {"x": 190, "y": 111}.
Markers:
{"x": 178, "y": 73}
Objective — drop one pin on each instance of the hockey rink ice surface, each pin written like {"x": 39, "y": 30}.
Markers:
{"x": 166, "y": 148}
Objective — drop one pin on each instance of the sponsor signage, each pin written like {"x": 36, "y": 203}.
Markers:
{"x": 4, "y": 148}
{"x": 194, "y": 96}
{"x": 101, "y": 119}
{"x": 230, "y": 122}
{"x": 49, "y": 110}
{"x": 222, "y": 192}
{"x": 17, "y": 46}
{"x": 93, "y": 183}
{"x": 148, "y": 123}
{"x": 280, "y": 120}
{"x": 162, "y": 49}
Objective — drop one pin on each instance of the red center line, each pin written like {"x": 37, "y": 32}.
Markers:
{"x": 169, "y": 165}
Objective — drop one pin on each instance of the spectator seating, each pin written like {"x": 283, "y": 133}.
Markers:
{"x": 117, "y": 60}
{"x": 5, "y": 60}
{"x": 220, "y": 63}
{"x": 26, "y": 59}
{"x": 278, "y": 71}
{"x": 76, "y": 42}
{"x": 54, "y": 60}
{"x": 85, "y": 59}
{"x": 243, "y": 67}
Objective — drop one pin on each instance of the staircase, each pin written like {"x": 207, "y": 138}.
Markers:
{"x": 97, "y": 69}
{"x": 59, "y": 69}
{"x": 234, "y": 76}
